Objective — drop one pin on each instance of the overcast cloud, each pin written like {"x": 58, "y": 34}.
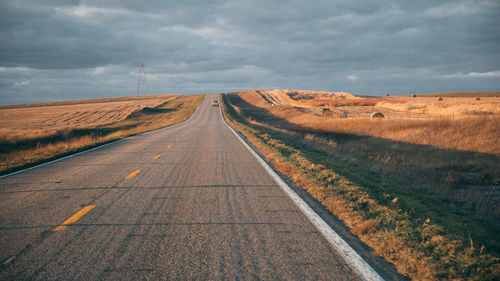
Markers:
{"x": 57, "y": 50}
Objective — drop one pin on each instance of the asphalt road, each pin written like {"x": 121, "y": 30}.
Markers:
{"x": 185, "y": 202}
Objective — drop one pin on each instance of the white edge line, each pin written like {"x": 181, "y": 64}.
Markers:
{"x": 60, "y": 159}
{"x": 353, "y": 259}
{"x": 100, "y": 146}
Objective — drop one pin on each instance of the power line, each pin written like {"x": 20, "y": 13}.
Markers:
{"x": 142, "y": 84}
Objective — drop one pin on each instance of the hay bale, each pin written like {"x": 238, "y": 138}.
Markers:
{"x": 342, "y": 114}
{"x": 327, "y": 112}
{"x": 377, "y": 115}
{"x": 478, "y": 98}
{"x": 414, "y": 96}
{"x": 386, "y": 94}
{"x": 440, "y": 99}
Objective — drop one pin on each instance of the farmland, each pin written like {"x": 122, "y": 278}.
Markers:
{"x": 420, "y": 186}
{"x": 425, "y": 106}
{"x": 29, "y": 120}
{"x": 34, "y": 133}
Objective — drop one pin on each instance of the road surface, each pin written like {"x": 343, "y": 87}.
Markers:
{"x": 185, "y": 202}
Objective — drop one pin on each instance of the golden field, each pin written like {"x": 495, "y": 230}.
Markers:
{"x": 31, "y": 120}
{"x": 421, "y": 186}
{"x": 34, "y": 133}
{"x": 420, "y": 120}
{"x": 425, "y": 106}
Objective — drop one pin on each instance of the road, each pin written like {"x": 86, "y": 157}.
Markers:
{"x": 185, "y": 202}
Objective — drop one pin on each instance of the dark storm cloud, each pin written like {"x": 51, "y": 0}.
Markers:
{"x": 75, "y": 49}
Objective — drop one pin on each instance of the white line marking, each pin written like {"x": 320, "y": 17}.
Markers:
{"x": 60, "y": 159}
{"x": 101, "y": 146}
{"x": 353, "y": 259}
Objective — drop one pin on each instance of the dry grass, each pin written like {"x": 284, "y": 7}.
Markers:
{"x": 422, "y": 107}
{"x": 43, "y": 119}
{"x": 416, "y": 205}
{"x": 301, "y": 98}
{"x": 461, "y": 94}
{"x": 96, "y": 123}
{"x": 474, "y": 133}
{"x": 478, "y": 134}
{"x": 87, "y": 101}
{"x": 450, "y": 106}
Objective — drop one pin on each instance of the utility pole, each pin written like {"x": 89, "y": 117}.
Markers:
{"x": 142, "y": 84}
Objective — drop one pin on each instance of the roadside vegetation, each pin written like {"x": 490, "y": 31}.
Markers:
{"x": 422, "y": 194}
{"x": 20, "y": 151}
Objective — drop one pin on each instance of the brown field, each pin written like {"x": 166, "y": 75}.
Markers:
{"x": 32, "y": 134}
{"x": 425, "y": 106}
{"x": 462, "y": 94}
{"x": 33, "y": 120}
{"x": 421, "y": 186}
{"x": 451, "y": 123}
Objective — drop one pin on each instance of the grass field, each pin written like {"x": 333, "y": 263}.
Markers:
{"x": 462, "y": 94}
{"x": 31, "y": 134}
{"x": 423, "y": 193}
{"x": 38, "y": 119}
{"x": 421, "y": 107}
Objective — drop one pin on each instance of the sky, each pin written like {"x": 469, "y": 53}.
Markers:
{"x": 63, "y": 49}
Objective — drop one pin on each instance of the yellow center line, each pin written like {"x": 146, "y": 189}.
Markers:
{"x": 133, "y": 174}
{"x": 74, "y": 218}
{"x": 170, "y": 146}
{"x": 177, "y": 139}
{"x": 9, "y": 260}
{"x": 157, "y": 156}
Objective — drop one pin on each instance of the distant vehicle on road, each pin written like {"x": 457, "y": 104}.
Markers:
{"x": 215, "y": 103}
